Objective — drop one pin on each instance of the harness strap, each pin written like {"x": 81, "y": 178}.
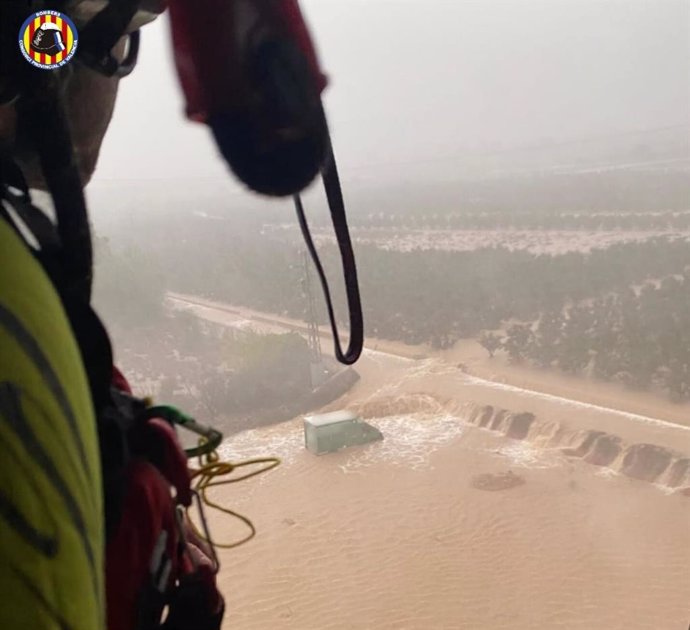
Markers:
{"x": 45, "y": 240}
{"x": 51, "y": 139}
{"x": 101, "y": 34}
{"x": 336, "y": 205}
{"x": 15, "y": 193}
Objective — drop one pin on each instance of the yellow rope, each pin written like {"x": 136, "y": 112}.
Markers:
{"x": 207, "y": 476}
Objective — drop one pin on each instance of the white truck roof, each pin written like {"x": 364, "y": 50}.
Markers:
{"x": 332, "y": 417}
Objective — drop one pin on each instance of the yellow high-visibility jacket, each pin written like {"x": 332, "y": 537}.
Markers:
{"x": 51, "y": 504}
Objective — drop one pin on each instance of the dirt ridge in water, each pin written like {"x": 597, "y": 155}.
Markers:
{"x": 643, "y": 461}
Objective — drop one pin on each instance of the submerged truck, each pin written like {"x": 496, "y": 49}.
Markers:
{"x": 333, "y": 431}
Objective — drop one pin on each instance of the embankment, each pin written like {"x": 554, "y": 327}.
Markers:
{"x": 649, "y": 462}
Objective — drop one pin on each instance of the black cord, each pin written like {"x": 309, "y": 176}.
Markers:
{"x": 336, "y": 206}
{"x": 42, "y": 114}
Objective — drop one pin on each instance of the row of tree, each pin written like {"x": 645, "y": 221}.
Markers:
{"x": 663, "y": 220}
{"x": 419, "y": 296}
{"x": 438, "y": 297}
{"x": 415, "y": 297}
{"x": 638, "y": 337}
{"x": 547, "y": 195}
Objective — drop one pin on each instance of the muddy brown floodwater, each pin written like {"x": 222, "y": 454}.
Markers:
{"x": 450, "y": 523}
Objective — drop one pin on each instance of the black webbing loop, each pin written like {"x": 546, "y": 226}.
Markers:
{"x": 336, "y": 205}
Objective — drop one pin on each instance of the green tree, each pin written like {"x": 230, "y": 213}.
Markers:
{"x": 518, "y": 339}
{"x": 491, "y": 342}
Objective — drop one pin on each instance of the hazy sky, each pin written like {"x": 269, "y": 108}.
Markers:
{"x": 419, "y": 80}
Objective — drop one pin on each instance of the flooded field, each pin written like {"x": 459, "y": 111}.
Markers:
{"x": 451, "y": 523}
{"x": 487, "y": 505}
